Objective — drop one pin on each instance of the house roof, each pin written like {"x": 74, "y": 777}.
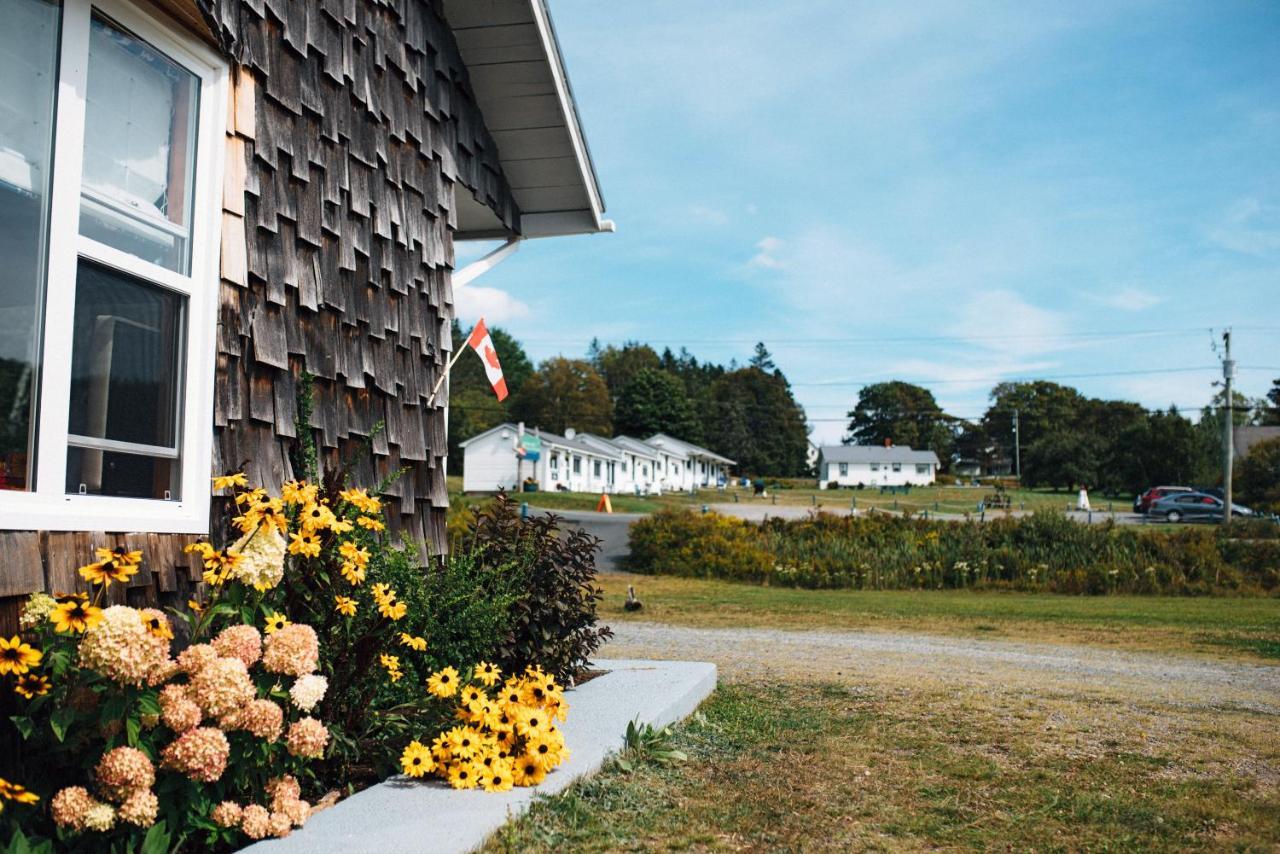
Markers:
{"x": 635, "y": 446}
{"x": 519, "y": 79}
{"x": 688, "y": 449}
{"x": 553, "y": 439}
{"x": 875, "y": 454}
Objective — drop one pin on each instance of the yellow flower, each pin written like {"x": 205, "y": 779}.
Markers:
{"x": 361, "y": 500}
{"x": 464, "y": 775}
{"x": 471, "y": 694}
{"x": 545, "y": 751}
{"x": 443, "y": 683}
{"x": 498, "y": 776}
{"x": 353, "y": 574}
{"x": 316, "y": 517}
{"x": 464, "y": 742}
{"x": 276, "y": 622}
{"x": 371, "y": 523}
{"x": 157, "y": 624}
{"x": 219, "y": 566}
{"x": 532, "y": 723}
{"x": 298, "y": 492}
{"x": 353, "y": 553}
{"x": 75, "y": 615}
{"x": 229, "y": 480}
{"x": 306, "y": 544}
{"x": 31, "y": 685}
{"x": 414, "y": 643}
{"x": 416, "y": 760}
{"x": 14, "y": 792}
{"x": 392, "y": 608}
{"x": 201, "y": 548}
{"x": 196, "y": 606}
{"x": 345, "y": 605}
{"x": 17, "y": 657}
{"x": 527, "y": 771}
{"x": 487, "y": 673}
{"x": 112, "y": 565}
{"x": 341, "y": 526}
{"x": 382, "y": 593}
{"x": 392, "y": 664}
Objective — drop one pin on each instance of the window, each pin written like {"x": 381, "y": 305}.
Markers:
{"x": 555, "y": 462}
{"x": 110, "y": 167}
{"x": 624, "y": 468}
{"x": 922, "y": 468}
{"x": 875, "y": 467}
{"x": 595, "y": 469}
{"x": 577, "y": 465}
{"x": 844, "y": 469}
{"x": 646, "y": 470}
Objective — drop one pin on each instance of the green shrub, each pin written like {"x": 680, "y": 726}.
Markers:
{"x": 1043, "y": 552}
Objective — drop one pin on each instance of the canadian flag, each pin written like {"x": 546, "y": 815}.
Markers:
{"x": 482, "y": 343}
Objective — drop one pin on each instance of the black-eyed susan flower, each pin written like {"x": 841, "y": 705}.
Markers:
{"x": 219, "y": 567}
{"x": 487, "y": 673}
{"x": 471, "y": 694}
{"x": 17, "y": 657}
{"x": 305, "y": 543}
{"x": 275, "y": 622}
{"x": 393, "y": 609}
{"x": 227, "y": 481}
{"x": 361, "y": 500}
{"x": 370, "y": 523}
{"x": 344, "y": 605}
{"x": 415, "y": 643}
{"x": 298, "y": 492}
{"x": 157, "y": 623}
{"x": 498, "y": 776}
{"x": 18, "y": 794}
{"x": 382, "y": 592}
{"x": 392, "y": 665}
{"x": 316, "y": 516}
{"x": 544, "y": 751}
{"x": 532, "y": 722}
{"x": 31, "y": 685}
{"x": 196, "y": 606}
{"x": 354, "y": 553}
{"x": 527, "y": 771}
{"x": 443, "y": 683}
{"x": 464, "y": 775}
{"x": 75, "y": 615}
{"x": 416, "y": 760}
{"x": 353, "y": 574}
{"x": 118, "y": 564}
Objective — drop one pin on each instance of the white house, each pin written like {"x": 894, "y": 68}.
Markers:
{"x": 576, "y": 462}
{"x": 874, "y": 465}
{"x": 685, "y": 465}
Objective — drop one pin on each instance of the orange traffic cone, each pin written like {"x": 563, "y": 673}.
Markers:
{"x": 604, "y": 505}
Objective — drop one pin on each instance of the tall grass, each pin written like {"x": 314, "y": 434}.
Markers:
{"x": 1043, "y": 552}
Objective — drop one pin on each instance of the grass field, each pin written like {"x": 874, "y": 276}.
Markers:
{"x": 779, "y": 766}
{"x": 944, "y": 499}
{"x": 1247, "y": 627}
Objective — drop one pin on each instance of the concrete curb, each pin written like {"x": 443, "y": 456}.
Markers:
{"x": 406, "y": 815}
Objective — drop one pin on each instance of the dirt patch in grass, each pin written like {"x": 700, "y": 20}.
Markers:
{"x": 789, "y": 765}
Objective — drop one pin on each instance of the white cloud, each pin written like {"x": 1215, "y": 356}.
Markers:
{"x": 496, "y": 306}
{"x": 1128, "y": 298}
{"x": 1249, "y": 227}
{"x": 767, "y": 254}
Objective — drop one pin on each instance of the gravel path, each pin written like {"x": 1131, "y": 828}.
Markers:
{"x": 855, "y": 656}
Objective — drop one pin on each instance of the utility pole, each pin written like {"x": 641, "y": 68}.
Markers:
{"x": 1228, "y": 429}
{"x": 1017, "y": 449}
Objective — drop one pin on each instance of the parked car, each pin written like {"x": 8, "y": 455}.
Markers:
{"x": 1143, "y": 502}
{"x": 1193, "y": 507}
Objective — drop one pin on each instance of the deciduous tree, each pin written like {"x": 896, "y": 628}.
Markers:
{"x": 903, "y": 413}
{"x": 564, "y": 393}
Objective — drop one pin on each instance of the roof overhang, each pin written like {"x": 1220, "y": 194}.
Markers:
{"x": 518, "y": 76}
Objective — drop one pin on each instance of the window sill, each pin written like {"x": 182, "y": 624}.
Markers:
{"x": 24, "y": 511}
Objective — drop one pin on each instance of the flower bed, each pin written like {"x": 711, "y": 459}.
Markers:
{"x": 317, "y": 659}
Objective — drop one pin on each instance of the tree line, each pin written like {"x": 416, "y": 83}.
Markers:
{"x": 1065, "y": 438}
{"x": 745, "y": 412}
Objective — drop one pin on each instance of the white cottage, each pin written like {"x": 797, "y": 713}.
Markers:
{"x": 688, "y": 466}
{"x": 571, "y": 462}
{"x": 874, "y": 465}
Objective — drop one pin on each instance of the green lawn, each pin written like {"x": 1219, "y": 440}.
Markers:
{"x": 1247, "y": 627}
{"x": 795, "y": 767}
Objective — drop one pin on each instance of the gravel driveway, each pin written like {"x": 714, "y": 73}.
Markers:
{"x": 908, "y": 658}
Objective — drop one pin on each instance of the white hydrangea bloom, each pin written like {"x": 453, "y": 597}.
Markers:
{"x": 308, "y": 691}
{"x": 262, "y": 554}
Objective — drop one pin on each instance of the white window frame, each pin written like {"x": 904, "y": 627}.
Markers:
{"x": 48, "y": 507}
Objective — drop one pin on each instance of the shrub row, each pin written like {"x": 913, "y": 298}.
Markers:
{"x": 1043, "y": 552}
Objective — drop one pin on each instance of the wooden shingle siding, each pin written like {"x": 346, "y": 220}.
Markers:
{"x": 351, "y": 129}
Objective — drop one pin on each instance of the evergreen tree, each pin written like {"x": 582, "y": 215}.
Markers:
{"x": 564, "y": 393}
{"x": 654, "y": 401}
{"x": 753, "y": 418}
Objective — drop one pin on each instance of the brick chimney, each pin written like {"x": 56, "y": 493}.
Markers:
{"x": 888, "y": 443}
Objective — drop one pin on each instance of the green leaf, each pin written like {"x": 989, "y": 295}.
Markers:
{"x": 132, "y": 727}
{"x": 60, "y": 720}
{"x": 149, "y": 703}
{"x": 23, "y": 725}
{"x": 156, "y": 840}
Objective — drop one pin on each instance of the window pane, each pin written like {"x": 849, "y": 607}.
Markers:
{"x": 139, "y": 148}
{"x": 28, "y": 75}
{"x": 125, "y": 379}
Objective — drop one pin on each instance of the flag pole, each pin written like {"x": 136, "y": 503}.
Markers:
{"x": 449, "y": 367}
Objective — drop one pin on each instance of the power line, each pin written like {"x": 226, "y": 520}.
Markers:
{"x": 1011, "y": 379}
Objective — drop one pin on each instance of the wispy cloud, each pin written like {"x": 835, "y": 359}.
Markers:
{"x": 493, "y": 304}
{"x": 1127, "y": 298}
{"x": 767, "y": 251}
{"x": 1249, "y": 226}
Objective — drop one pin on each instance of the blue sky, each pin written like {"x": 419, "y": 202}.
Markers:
{"x": 949, "y": 193}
